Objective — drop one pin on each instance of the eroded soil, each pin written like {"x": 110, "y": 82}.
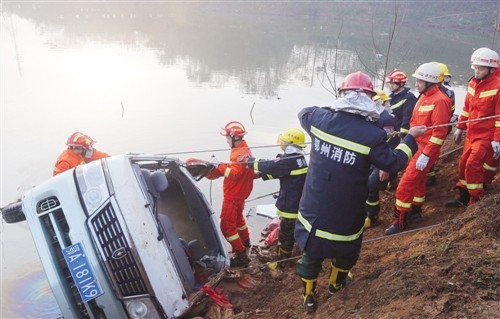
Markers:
{"x": 447, "y": 266}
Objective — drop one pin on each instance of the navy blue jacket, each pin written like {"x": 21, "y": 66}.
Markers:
{"x": 402, "y": 105}
{"x": 388, "y": 123}
{"x": 291, "y": 170}
{"x": 332, "y": 208}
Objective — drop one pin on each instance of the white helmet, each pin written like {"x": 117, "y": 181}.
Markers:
{"x": 485, "y": 57}
{"x": 428, "y": 72}
{"x": 474, "y": 54}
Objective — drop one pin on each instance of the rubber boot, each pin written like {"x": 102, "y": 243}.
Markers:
{"x": 370, "y": 221}
{"x": 431, "y": 178}
{"x": 247, "y": 245}
{"x": 309, "y": 287}
{"x": 398, "y": 224}
{"x": 240, "y": 259}
{"x": 339, "y": 278}
{"x": 282, "y": 254}
{"x": 372, "y": 210}
{"x": 415, "y": 214}
{"x": 461, "y": 198}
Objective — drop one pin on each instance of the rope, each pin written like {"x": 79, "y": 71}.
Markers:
{"x": 275, "y": 145}
{"x": 468, "y": 121}
{"x": 394, "y": 134}
{"x": 401, "y": 233}
{"x": 260, "y": 160}
{"x": 452, "y": 151}
{"x": 223, "y": 149}
{"x": 259, "y": 197}
{"x": 406, "y": 232}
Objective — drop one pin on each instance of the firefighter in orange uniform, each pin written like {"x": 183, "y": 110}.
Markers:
{"x": 482, "y": 140}
{"x": 238, "y": 184}
{"x": 80, "y": 151}
{"x": 432, "y": 108}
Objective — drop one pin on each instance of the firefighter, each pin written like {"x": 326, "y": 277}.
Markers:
{"x": 80, "y": 151}
{"x": 379, "y": 179}
{"x": 237, "y": 186}
{"x": 491, "y": 165}
{"x": 345, "y": 143}
{"x": 482, "y": 139}
{"x": 291, "y": 169}
{"x": 402, "y": 99}
{"x": 433, "y": 108}
{"x": 444, "y": 80}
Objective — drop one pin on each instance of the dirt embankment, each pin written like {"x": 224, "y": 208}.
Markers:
{"x": 448, "y": 269}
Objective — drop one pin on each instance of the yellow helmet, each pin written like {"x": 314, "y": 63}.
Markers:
{"x": 443, "y": 71}
{"x": 293, "y": 136}
{"x": 380, "y": 95}
{"x": 444, "y": 68}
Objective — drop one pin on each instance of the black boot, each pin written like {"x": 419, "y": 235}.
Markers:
{"x": 398, "y": 224}
{"x": 370, "y": 221}
{"x": 431, "y": 181}
{"x": 372, "y": 209}
{"x": 339, "y": 278}
{"x": 309, "y": 287}
{"x": 282, "y": 254}
{"x": 461, "y": 198}
{"x": 431, "y": 177}
{"x": 415, "y": 214}
{"x": 240, "y": 259}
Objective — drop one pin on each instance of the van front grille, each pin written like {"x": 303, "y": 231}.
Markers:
{"x": 56, "y": 231}
{"x": 117, "y": 253}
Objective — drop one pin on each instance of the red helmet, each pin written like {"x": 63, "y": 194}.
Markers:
{"x": 78, "y": 139}
{"x": 357, "y": 81}
{"x": 234, "y": 129}
{"x": 396, "y": 76}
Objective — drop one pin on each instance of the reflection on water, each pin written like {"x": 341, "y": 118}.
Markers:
{"x": 263, "y": 45}
{"x": 29, "y": 296}
{"x": 181, "y": 71}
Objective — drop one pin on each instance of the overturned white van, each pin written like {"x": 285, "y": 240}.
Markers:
{"x": 129, "y": 236}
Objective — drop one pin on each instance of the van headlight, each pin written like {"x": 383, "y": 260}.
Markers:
{"x": 141, "y": 308}
{"x": 92, "y": 185}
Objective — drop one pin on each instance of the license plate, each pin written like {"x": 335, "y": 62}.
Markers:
{"x": 81, "y": 271}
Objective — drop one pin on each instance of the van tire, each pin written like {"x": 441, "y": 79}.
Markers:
{"x": 13, "y": 213}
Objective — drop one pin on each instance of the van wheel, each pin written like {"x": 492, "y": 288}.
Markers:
{"x": 13, "y": 213}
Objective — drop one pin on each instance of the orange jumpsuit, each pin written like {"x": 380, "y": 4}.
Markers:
{"x": 97, "y": 155}
{"x": 238, "y": 184}
{"x": 67, "y": 160}
{"x": 482, "y": 100}
{"x": 432, "y": 108}
{"x": 492, "y": 165}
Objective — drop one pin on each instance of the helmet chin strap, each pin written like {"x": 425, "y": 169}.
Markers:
{"x": 88, "y": 152}
{"x": 235, "y": 140}
{"x": 400, "y": 85}
{"x": 428, "y": 86}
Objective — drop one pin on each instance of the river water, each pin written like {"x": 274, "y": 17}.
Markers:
{"x": 164, "y": 77}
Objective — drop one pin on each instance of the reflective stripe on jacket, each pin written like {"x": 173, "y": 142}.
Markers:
{"x": 433, "y": 108}
{"x": 402, "y": 104}
{"x": 291, "y": 170}
{"x": 238, "y": 178}
{"x": 332, "y": 207}
{"x": 482, "y": 100}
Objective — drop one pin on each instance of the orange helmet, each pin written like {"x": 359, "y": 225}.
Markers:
{"x": 357, "y": 81}
{"x": 78, "y": 139}
{"x": 233, "y": 129}
{"x": 396, "y": 76}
